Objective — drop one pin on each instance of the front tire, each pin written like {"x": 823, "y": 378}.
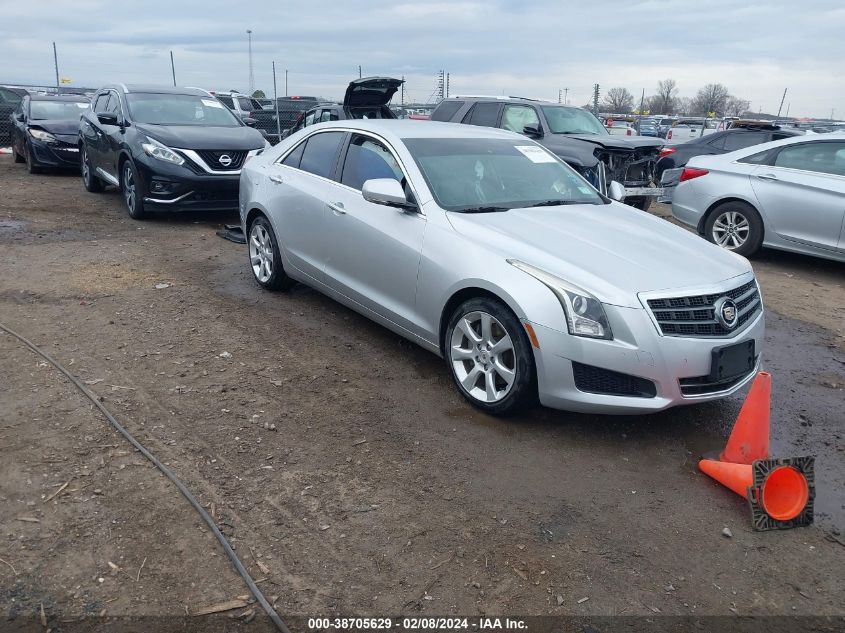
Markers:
{"x": 89, "y": 180}
{"x": 130, "y": 186}
{"x": 490, "y": 357}
{"x": 265, "y": 256}
{"x": 31, "y": 167}
{"x": 735, "y": 226}
{"x": 18, "y": 157}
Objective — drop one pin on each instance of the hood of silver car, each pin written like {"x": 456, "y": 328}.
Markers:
{"x": 613, "y": 251}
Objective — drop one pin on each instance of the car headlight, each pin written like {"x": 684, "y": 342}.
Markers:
{"x": 584, "y": 313}
{"x": 41, "y": 135}
{"x": 162, "y": 152}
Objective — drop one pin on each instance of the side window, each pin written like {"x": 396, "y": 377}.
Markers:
{"x": 824, "y": 158}
{"x": 309, "y": 118}
{"x": 292, "y": 159}
{"x": 718, "y": 142}
{"x": 328, "y": 115}
{"x": 226, "y": 101}
{"x": 761, "y": 158}
{"x": 742, "y": 140}
{"x": 113, "y": 104}
{"x": 245, "y": 103}
{"x": 101, "y": 102}
{"x": 779, "y": 137}
{"x": 366, "y": 159}
{"x": 446, "y": 110}
{"x": 517, "y": 117}
{"x": 320, "y": 153}
{"x": 484, "y": 114}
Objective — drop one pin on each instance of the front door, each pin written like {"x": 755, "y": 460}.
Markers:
{"x": 802, "y": 193}
{"x": 372, "y": 250}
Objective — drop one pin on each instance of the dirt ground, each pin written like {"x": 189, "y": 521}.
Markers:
{"x": 347, "y": 471}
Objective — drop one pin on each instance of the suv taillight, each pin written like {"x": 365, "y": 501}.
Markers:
{"x": 669, "y": 135}
{"x": 666, "y": 151}
{"x": 692, "y": 172}
{"x": 629, "y": 132}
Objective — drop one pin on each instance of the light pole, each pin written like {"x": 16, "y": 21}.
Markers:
{"x": 251, "y": 74}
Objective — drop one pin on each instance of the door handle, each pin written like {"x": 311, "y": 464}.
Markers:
{"x": 767, "y": 177}
{"x": 277, "y": 179}
{"x": 337, "y": 207}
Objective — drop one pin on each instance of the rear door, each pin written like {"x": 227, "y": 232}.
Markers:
{"x": 93, "y": 132}
{"x": 299, "y": 186}
{"x": 372, "y": 250}
{"x": 802, "y": 192}
{"x": 483, "y": 113}
{"x": 112, "y": 138}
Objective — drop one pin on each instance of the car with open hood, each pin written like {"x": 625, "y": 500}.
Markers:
{"x": 45, "y": 129}
{"x": 366, "y": 98}
{"x": 165, "y": 148}
{"x": 487, "y": 249}
{"x": 573, "y": 134}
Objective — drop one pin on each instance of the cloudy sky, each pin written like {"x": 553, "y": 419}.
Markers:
{"x": 523, "y": 47}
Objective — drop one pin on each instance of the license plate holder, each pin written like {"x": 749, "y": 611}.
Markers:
{"x": 731, "y": 361}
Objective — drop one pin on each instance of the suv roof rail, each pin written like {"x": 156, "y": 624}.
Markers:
{"x": 498, "y": 97}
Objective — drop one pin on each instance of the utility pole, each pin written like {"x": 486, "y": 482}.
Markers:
{"x": 559, "y": 95}
{"x": 441, "y": 85}
{"x": 596, "y": 92}
{"x": 359, "y": 71}
{"x": 832, "y": 110}
{"x": 565, "y": 96}
{"x": 276, "y": 101}
{"x": 642, "y": 103}
{"x": 402, "y": 93}
{"x": 172, "y": 68}
{"x": 447, "y": 85}
{"x": 286, "y": 82}
{"x": 782, "y": 99}
{"x": 56, "y": 63}
{"x": 787, "y": 110}
{"x": 251, "y": 74}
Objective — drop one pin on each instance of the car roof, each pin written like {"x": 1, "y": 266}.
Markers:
{"x": 764, "y": 147}
{"x": 70, "y": 98}
{"x": 495, "y": 99}
{"x": 158, "y": 89}
{"x": 409, "y": 128}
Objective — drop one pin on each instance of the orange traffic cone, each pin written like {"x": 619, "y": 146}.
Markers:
{"x": 780, "y": 491}
{"x": 749, "y": 438}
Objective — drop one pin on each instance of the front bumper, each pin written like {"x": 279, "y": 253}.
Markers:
{"x": 640, "y": 351}
{"x": 169, "y": 187}
{"x": 60, "y": 155}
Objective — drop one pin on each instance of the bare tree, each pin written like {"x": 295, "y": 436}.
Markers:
{"x": 711, "y": 98}
{"x": 736, "y": 106}
{"x": 618, "y": 100}
{"x": 664, "y": 101}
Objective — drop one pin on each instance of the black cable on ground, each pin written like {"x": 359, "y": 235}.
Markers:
{"x": 250, "y": 583}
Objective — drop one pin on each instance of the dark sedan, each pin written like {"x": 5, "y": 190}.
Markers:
{"x": 44, "y": 131}
{"x": 165, "y": 148}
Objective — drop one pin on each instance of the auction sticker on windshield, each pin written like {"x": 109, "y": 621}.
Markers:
{"x": 211, "y": 103}
{"x": 536, "y": 154}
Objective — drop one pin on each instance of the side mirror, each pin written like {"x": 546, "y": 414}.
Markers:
{"x": 20, "y": 117}
{"x": 532, "y": 130}
{"x": 107, "y": 118}
{"x": 386, "y": 191}
{"x": 249, "y": 121}
{"x": 615, "y": 191}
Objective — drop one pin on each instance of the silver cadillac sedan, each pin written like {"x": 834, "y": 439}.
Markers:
{"x": 486, "y": 249}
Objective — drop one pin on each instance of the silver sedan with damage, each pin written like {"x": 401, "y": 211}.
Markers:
{"x": 485, "y": 248}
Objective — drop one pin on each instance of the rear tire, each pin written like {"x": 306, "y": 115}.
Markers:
{"x": 265, "y": 256}
{"x": 735, "y": 226}
{"x": 130, "y": 187}
{"x": 91, "y": 183}
{"x": 490, "y": 358}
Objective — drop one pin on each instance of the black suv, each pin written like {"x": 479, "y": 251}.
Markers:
{"x": 165, "y": 148}
{"x": 573, "y": 134}
{"x": 366, "y": 98}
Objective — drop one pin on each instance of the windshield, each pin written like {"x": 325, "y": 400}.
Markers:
{"x": 488, "y": 174}
{"x": 563, "y": 120}
{"x": 67, "y": 110}
{"x": 175, "y": 109}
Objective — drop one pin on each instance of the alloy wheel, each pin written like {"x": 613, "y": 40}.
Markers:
{"x": 731, "y": 230}
{"x": 129, "y": 187}
{"x": 261, "y": 253}
{"x": 86, "y": 168}
{"x": 482, "y": 356}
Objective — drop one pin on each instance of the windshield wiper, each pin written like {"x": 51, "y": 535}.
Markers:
{"x": 554, "y": 203}
{"x": 484, "y": 210}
